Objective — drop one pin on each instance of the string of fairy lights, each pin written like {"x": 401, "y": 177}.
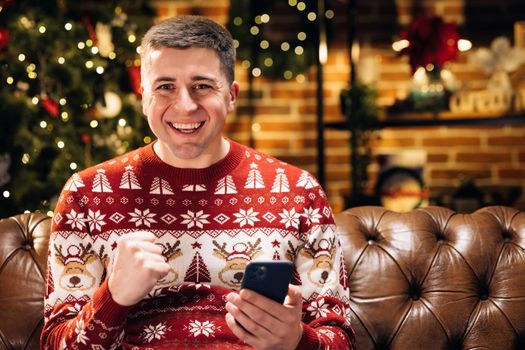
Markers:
{"x": 270, "y": 51}
{"x": 96, "y": 61}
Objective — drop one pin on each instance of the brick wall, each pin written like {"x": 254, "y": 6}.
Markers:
{"x": 284, "y": 114}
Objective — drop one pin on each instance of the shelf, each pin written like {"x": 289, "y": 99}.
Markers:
{"x": 438, "y": 119}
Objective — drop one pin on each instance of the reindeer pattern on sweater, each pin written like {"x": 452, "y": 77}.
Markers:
{"x": 210, "y": 224}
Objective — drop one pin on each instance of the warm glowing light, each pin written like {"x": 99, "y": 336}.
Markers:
{"x": 323, "y": 52}
{"x": 147, "y": 139}
{"x": 285, "y": 46}
{"x": 246, "y": 64}
{"x": 100, "y": 70}
{"x": 42, "y": 29}
{"x": 311, "y": 16}
{"x": 64, "y": 116}
{"x": 34, "y": 100}
{"x": 299, "y": 50}
{"x": 26, "y": 158}
{"x": 265, "y": 18}
{"x": 132, "y": 38}
{"x": 122, "y": 122}
{"x": 50, "y": 213}
{"x": 264, "y": 44}
{"x": 61, "y": 60}
{"x": 62, "y": 101}
{"x": 464, "y": 45}
{"x": 89, "y": 42}
{"x": 301, "y": 6}
{"x": 237, "y": 21}
{"x": 89, "y": 64}
{"x": 93, "y": 124}
{"x": 400, "y": 45}
{"x": 287, "y": 74}
{"x": 68, "y": 26}
{"x": 254, "y": 30}
{"x": 73, "y": 166}
{"x": 236, "y": 43}
{"x": 10, "y": 80}
{"x": 268, "y": 62}
{"x": 81, "y": 45}
{"x": 300, "y": 78}
{"x": 61, "y": 144}
{"x": 6, "y": 194}
{"x": 256, "y": 127}
{"x": 21, "y": 57}
{"x": 94, "y": 50}
{"x": 256, "y": 72}
{"x": 329, "y": 14}
{"x": 43, "y": 124}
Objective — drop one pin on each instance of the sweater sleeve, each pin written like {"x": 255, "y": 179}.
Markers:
{"x": 323, "y": 279}
{"x": 79, "y": 311}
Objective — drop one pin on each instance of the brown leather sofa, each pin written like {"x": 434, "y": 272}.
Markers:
{"x": 428, "y": 279}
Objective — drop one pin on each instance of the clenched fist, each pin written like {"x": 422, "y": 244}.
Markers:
{"x": 137, "y": 266}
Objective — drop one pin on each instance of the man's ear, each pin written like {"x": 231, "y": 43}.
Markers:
{"x": 234, "y": 93}
{"x": 144, "y": 101}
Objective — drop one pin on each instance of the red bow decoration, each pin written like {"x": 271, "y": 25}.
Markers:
{"x": 50, "y": 105}
{"x": 431, "y": 41}
{"x": 4, "y": 38}
{"x": 134, "y": 80}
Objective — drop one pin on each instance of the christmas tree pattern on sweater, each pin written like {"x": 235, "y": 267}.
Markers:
{"x": 210, "y": 223}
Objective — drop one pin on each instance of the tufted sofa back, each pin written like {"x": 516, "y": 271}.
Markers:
{"x": 429, "y": 279}
{"x": 434, "y": 279}
{"x": 23, "y": 258}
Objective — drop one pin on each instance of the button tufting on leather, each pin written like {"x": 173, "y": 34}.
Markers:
{"x": 414, "y": 292}
{"x": 483, "y": 293}
{"x": 507, "y": 236}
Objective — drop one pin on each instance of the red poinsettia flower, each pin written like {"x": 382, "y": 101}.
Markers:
{"x": 431, "y": 41}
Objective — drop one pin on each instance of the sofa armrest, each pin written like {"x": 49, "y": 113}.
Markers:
{"x": 24, "y": 243}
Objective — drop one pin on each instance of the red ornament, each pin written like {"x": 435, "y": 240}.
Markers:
{"x": 4, "y": 38}
{"x": 134, "y": 80}
{"x": 7, "y": 3}
{"x": 86, "y": 138}
{"x": 91, "y": 30}
{"x": 431, "y": 41}
{"x": 50, "y": 105}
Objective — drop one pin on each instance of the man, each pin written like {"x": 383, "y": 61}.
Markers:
{"x": 148, "y": 250}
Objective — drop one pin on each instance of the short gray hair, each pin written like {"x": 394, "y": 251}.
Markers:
{"x": 184, "y": 32}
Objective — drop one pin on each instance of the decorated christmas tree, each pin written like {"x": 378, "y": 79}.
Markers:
{"x": 69, "y": 93}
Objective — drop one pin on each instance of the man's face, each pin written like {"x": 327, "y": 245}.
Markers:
{"x": 186, "y": 98}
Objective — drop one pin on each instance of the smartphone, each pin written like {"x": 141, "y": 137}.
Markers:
{"x": 269, "y": 278}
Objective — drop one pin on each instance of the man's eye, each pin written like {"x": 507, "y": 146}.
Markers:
{"x": 165, "y": 87}
{"x": 202, "y": 87}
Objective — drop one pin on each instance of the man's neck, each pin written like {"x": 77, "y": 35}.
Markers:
{"x": 203, "y": 161}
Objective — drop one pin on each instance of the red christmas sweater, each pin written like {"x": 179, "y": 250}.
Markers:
{"x": 211, "y": 222}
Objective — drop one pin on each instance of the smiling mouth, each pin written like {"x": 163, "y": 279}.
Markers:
{"x": 186, "y": 128}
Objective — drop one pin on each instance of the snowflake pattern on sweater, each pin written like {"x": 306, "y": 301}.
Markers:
{"x": 210, "y": 223}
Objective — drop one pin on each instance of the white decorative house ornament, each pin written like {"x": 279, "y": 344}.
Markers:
{"x": 113, "y": 105}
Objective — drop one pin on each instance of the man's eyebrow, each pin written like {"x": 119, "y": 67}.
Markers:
{"x": 164, "y": 79}
{"x": 194, "y": 78}
{"x": 202, "y": 77}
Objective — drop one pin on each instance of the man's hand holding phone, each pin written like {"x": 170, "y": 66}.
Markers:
{"x": 260, "y": 321}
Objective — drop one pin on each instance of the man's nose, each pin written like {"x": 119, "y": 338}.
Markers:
{"x": 184, "y": 102}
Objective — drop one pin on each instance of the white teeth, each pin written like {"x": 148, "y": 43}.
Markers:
{"x": 181, "y": 126}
